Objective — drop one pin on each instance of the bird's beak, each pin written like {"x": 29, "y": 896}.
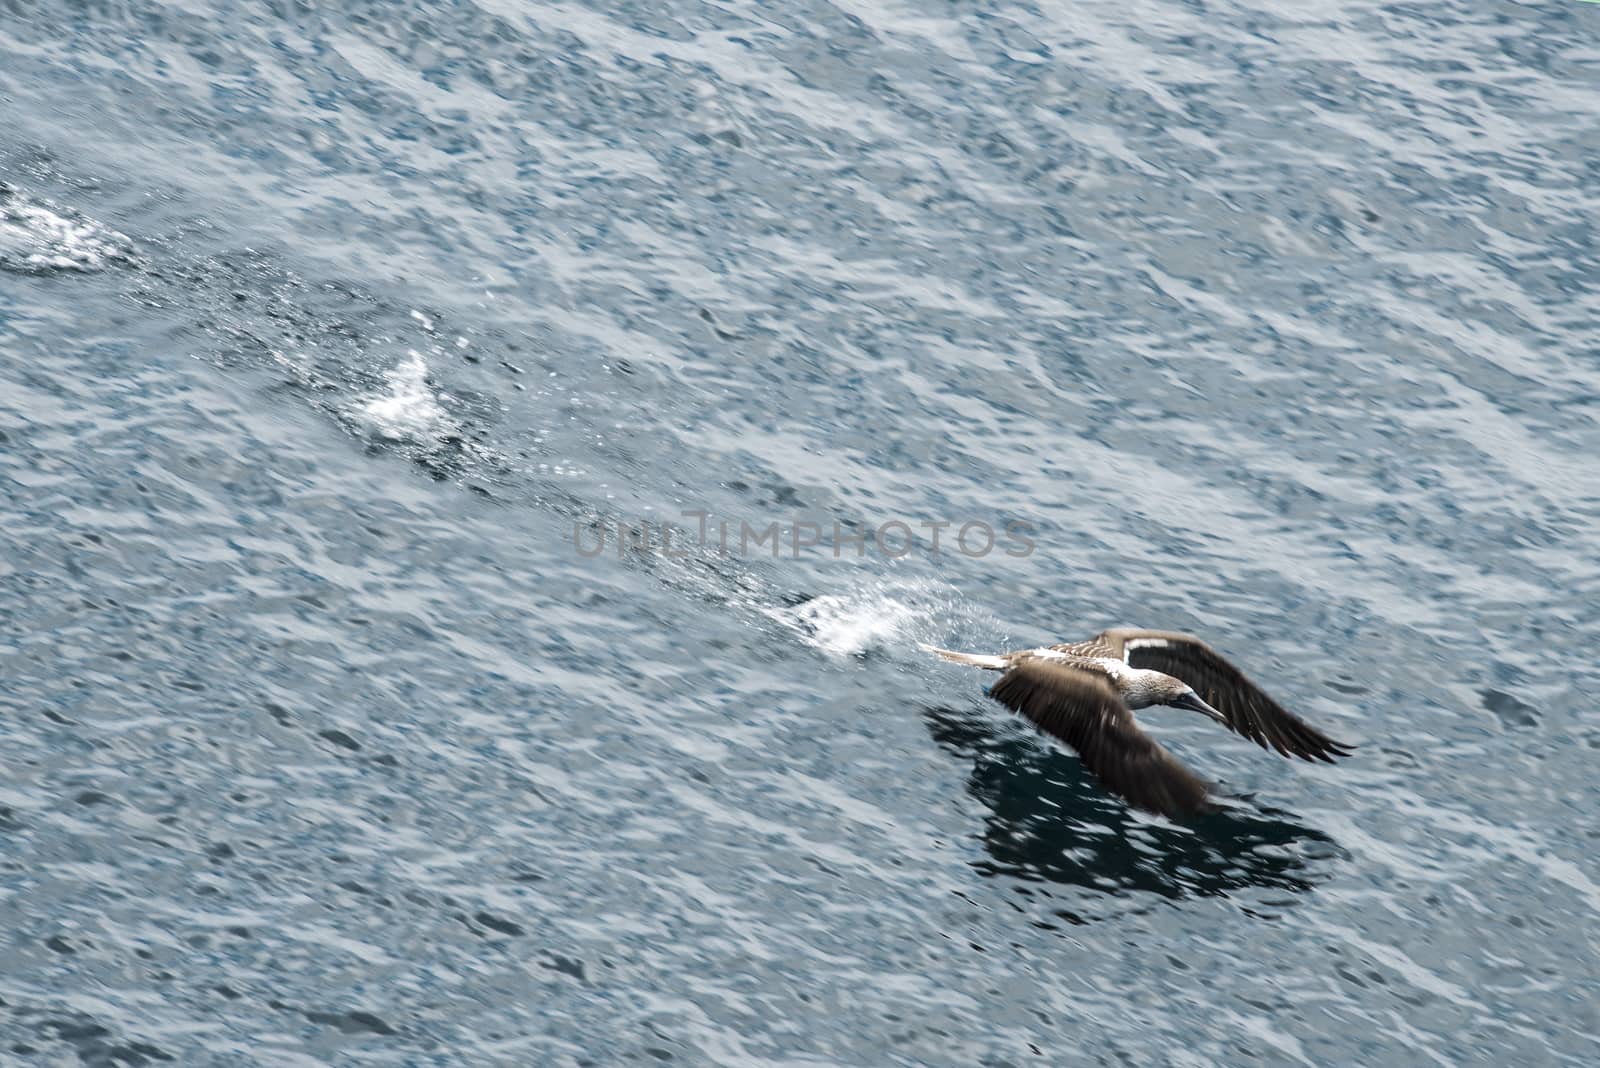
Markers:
{"x": 1191, "y": 701}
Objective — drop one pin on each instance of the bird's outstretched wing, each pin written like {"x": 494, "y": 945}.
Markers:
{"x": 1248, "y": 710}
{"x": 1092, "y": 649}
{"x": 1081, "y": 709}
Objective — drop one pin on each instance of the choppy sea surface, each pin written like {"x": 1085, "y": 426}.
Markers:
{"x": 333, "y": 336}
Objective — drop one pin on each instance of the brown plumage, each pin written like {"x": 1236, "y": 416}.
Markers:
{"x": 1245, "y": 706}
{"x": 1081, "y": 709}
{"x": 1084, "y": 693}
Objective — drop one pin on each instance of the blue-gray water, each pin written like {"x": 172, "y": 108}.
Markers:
{"x": 321, "y": 326}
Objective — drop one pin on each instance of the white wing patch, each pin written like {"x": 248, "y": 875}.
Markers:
{"x": 1141, "y": 643}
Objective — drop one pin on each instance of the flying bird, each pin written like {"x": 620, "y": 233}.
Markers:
{"x": 1084, "y": 693}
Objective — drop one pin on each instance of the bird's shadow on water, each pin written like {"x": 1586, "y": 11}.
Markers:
{"x": 1050, "y": 823}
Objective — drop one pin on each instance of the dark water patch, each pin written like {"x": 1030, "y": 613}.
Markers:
{"x": 355, "y": 1022}
{"x": 1511, "y": 711}
{"x": 496, "y": 923}
{"x": 1050, "y": 822}
{"x": 567, "y": 966}
{"x": 76, "y": 1034}
{"x": 340, "y": 739}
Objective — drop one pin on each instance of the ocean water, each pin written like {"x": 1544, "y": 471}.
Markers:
{"x": 335, "y": 337}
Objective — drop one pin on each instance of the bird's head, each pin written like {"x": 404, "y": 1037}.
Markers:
{"x": 1181, "y": 695}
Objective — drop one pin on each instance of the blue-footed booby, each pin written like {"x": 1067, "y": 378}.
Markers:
{"x": 1084, "y": 693}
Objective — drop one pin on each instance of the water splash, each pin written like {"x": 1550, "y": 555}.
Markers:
{"x": 850, "y": 625}
{"x": 887, "y": 614}
{"x": 38, "y": 237}
{"x": 409, "y": 409}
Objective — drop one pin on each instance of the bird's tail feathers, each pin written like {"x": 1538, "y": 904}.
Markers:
{"x": 993, "y": 663}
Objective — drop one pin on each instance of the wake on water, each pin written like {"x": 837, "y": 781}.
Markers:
{"x": 410, "y": 410}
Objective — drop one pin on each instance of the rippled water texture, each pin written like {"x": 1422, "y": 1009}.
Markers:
{"x": 323, "y": 328}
